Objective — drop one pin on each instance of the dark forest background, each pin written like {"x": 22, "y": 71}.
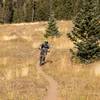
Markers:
{"x": 16, "y": 11}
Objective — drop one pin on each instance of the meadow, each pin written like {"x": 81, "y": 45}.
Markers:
{"x": 19, "y": 57}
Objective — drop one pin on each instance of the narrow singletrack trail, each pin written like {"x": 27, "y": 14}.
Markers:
{"x": 52, "y": 89}
{"x": 52, "y": 93}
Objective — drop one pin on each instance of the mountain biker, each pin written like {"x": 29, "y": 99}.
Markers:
{"x": 43, "y": 52}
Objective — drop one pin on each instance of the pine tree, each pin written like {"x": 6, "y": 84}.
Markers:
{"x": 98, "y": 6}
{"x": 42, "y": 10}
{"x": 8, "y": 11}
{"x": 18, "y": 15}
{"x": 1, "y": 11}
{"x": 63, "y": 9}
{"x": 86, "y": 33}
{"x": 52, "y": 29}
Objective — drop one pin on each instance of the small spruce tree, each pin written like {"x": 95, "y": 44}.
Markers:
{"x": 86, "y": 33}
{"x": 52, "y": 29}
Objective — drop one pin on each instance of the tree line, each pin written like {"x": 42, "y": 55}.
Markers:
{"x": 16, "y": 11}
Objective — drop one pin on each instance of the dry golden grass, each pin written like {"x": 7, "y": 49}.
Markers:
{"x": 17, "y": 84}
{"x": 19, "y": 79}
{"x": 76, "y": 81}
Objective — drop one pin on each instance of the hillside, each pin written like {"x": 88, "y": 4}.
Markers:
{"x": 19, "y": 56}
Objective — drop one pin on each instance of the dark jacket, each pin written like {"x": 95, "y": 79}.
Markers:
{"x": 44, "y": 49}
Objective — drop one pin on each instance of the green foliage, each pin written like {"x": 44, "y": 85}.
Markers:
{"x": 63, "y": 9}
{"x": 39, "y": 10}
{"x": 98, "y": 6}
{"x": 28, "y": 14}
{"x": 1, "y": 11}
{"x": 42, "y": 10}
{"x": 52, "y": 29}
{"x": 86, "y": 33}
{"x": 18, "y": 14}
{"x": 8, "y": 11}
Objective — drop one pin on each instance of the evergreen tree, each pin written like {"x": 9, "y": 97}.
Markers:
{"x": 52, "y": 29}
{"x": 31, "y": 7}
{"x": 42, "y": 10}
{"x": 68, "y": 9}
{"x": 28, "y": 17}
{"x": 19, "y": 15}
{"x": 8, "y": 11}
{"x": 39, "y": 10}
{"x": 1, "y": 11}
{"x": 86, "y": 33}
{"x": 98, "y": 6}
{"x": 63, "y": 9}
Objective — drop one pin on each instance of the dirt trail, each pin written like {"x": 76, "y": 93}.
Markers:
{"x": 52, "y": 89}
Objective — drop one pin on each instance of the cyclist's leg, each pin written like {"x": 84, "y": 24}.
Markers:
{"x": 40, "y": 59}
{"x": 44, "y": 59}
